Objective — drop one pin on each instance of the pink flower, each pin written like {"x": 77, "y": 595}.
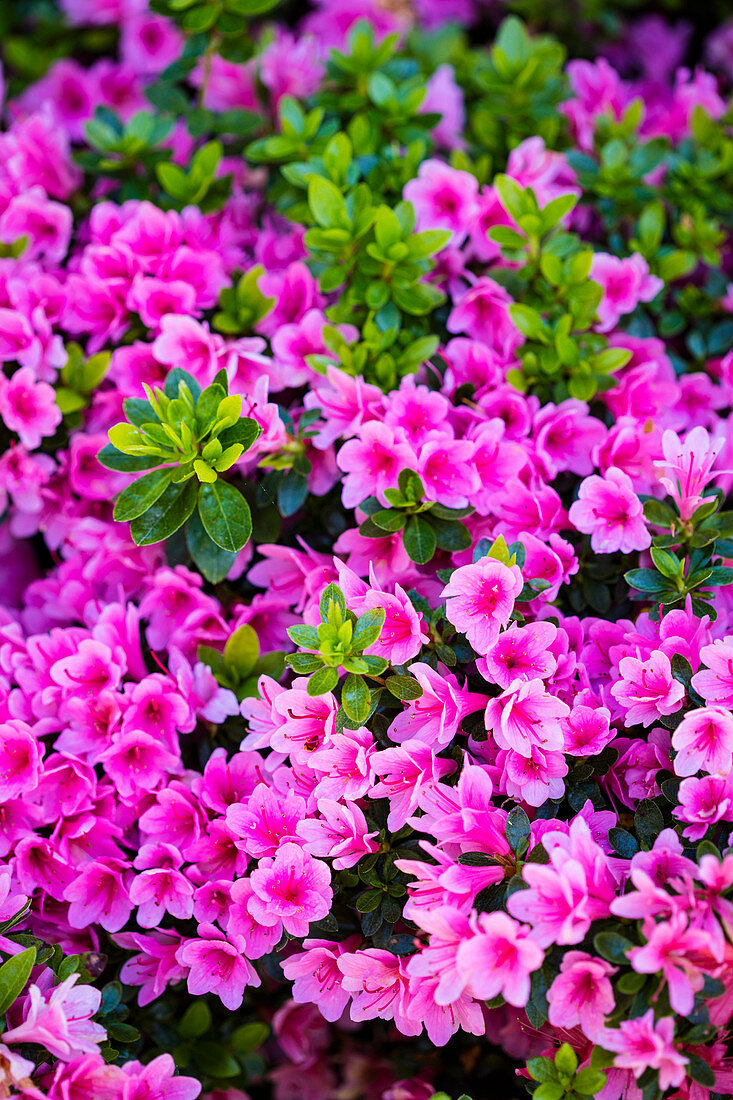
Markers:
{"x": 28, "y": 407}
{"x": 20, "y": 759}
{"x": 643, "y": 1043}
{"x": 158, "y": 1080}
{"x": 715, "y": 681}
{"x": 341, "y": 834}
{"x": 316, "y": 976}
{"x": 344, "y": 765}
{"x": 447, "y": 470}
{"x": 436, "y": 716}
{"x": 610, "y": 512}
{"x": 499, "y": 958}
{"x": 379, "y": 984}
{"x": 483, "y": 314}
{"x": 405, "y": 773}
{"x": 520, "y": 653}
{"x": 674, "y": 950}
{"x": 160, "y": 888}
{"x": 687, "y": 467}
{"x": 100, "y": 894}
{"x": 216, "y": 966}
{"x": 625, "y": 283}
{"x": 703, "y": 802}
{"x": 444, "y": 96}
{"x": 293, "y": 887}
{"x": 265, "y": 821}
{"x": 60, "y": 1019}
{"x": 587, "y": 730}
{"x": 443, "y": 198}
{"x": 647, "y": 689}
{"x": 372, "y": 463}
{"x": 581, "y": 994}
{"x": 525, "y": 716}
{"x": 480, "y": 598}
{"x": 703, "y": 742}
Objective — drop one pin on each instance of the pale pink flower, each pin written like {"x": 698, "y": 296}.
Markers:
{"x": 703, "y": 742}
{"x": 643, "y": 1043}
{"x": 581, "y": 994}
{"x": 674, "y": 951}
{"x": 316, "y": 976}
{"x": 499, "y": 958}
{"x": 687, "y": 467}
{"x": 715, "y": 681}
{"x": 379, "y": 984}
{"x": 610, "y": 512}
{"x": 703, "y": 802}
{"x": 480, "y": 598}
{"x": 405, "y": 773}
{"x": 647, "y": 689}
{"x": 60, "y": 1019}
{"x": 344, "y": 765}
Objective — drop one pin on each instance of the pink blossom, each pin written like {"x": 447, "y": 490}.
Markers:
{"x": 60, "y": 1019}
{"x": 674, "y": 950}
{"x": 28, "y": 407}
{"x": 687, "y": 467}
{"x": 158, "y": 1080}
{"x": 643, "y": 1043}
{"x": 379, "y": 986}
{"x": 293, "y": 887}
{"x": 526, "y": 715}
{"x": 100, "y": 894}
{"x": 344, "y": 765}
{"x": 436, "y": 716}
{"x": 20, "y": 759}
{"x": 703, "y": 802}
{"x": 715, "y": 681}
{"x": 520, "y": 653}
{"x": 341, "y": 833}
{"x": 443, "y": 198}
{"x": 216, "y": 966}
{"x": 647, "y": 689}
{"x": 405, "y": 773}
{"x": 316, "y": 976}
{"x": 625, "y": 283}
{"x": 480, "y": 599}
{"x": 372, "y": 463}
{"x": 483, "y": 314}
{"x": 265, "y": 821}
{"x": 610, "y": 512}
{"x": 703, "y": 741}
{"x": 582, "y": 994}
{"x": 499, "y": 958}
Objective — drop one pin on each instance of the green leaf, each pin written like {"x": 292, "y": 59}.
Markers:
{"x": 292, "y": 493}
{"x": 225, "y": 515}
{"x": 242, "y": 650}
{"x": 304, "y": 635}
{"x": 327, "y": 203}
{"x": 331, "y": 594}
{"x": 141, "y": 495}
{"x": 322, "y": 682}
{"x": 214, "y": 1060}
{"x": 419, "y": 540}
{"x": 542, "y": 1069}
{"x": 566, "y": 1060}
{"x": 112, "y": 459}
{"x": 613, "y": 947}
{"x": 196, "y": 1020}
{"x": 249, "y": 1037}
{"x": 518, "y": 830}
{"x": 589, "y": 1081}
{"x": 368, "y": 628}
{"x": 646, "y": 580}
{"x": 405, "y": 688}
{"x": 170, "y": 511}
{"x": 304, "y": 663}
{"x": 648, "y": 822}
{"x": 13, "y": 977}
{"x": 213, "y": 562}
{"x": 355, "y": 698}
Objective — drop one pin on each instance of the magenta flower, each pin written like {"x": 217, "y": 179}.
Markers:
{"x": 520, "y": 653}
{"x": 647, "y": 689}
{"x": 483, "y": 314}
{"x": 625, "y": 283}
{"x": 60, "y": 1019}
{"x": 443, "y": 198}
{"x": 216, "y": 966}
{"x": 345, "y": 765}
{"x": 293, "y": 887}
{"x": 610, "y": 512}
{"x": 499, "y": 958}
{"x": 379, "y": 985}
{"x": 581, "y": 994}
{"x": 703, "y": 742}
{"x": 341, "y": 833}
{"x": 265, "y": 821}
{"x": 435, "y": 717}
{"x": 100, "y": 895}
{"x": 405, "y": 773}
{"x": 28, "y": 407}
{"x": 480, "y": 598}
{"x": 158, "y": 1080}
{"x": 20, "y": 759}
{"x": 703, "y": 802}
{"x": 372, "y": 463}
{"x": 256, "y": 939}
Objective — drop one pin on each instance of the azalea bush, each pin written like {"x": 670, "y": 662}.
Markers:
{"x": 366, "y": 556}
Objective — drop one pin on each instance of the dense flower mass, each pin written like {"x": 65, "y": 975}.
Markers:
{"x": 366, "y": 628}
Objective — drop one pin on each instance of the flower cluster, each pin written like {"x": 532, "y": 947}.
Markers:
{"x": 366, "y": 636}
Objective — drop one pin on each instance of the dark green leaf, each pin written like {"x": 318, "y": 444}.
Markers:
{"x": 355, "y": 698}
{"x": 170, "y": 511}
{"x": 141, "y": 495}
{"x": 225, "y": 515}
{"x": 419, "y": 540}
{"x": 405, "y": 688}
{"x": 13, "y": 977}
{"x": 209, "y": 558}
